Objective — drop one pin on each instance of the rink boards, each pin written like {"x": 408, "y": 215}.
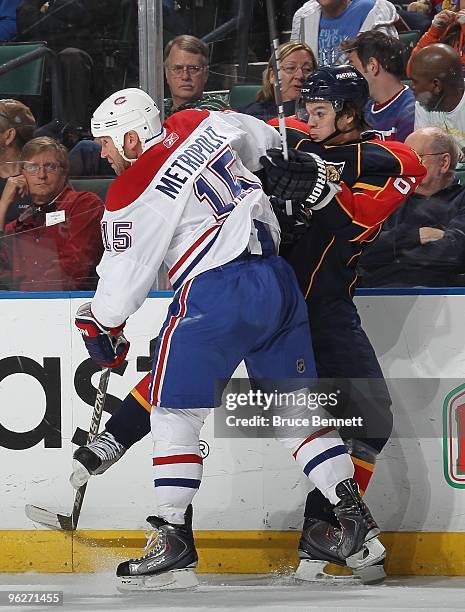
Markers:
{"x": 250, "y": 503}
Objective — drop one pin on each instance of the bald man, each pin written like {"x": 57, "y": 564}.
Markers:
{"x": 423, "y": 242}
{"x": 437, "y": 83}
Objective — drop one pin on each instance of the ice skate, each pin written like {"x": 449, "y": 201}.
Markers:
{"x": 169, "y": 559}
{"x": 95, "y": 458}
{"x": 354, "y": 545}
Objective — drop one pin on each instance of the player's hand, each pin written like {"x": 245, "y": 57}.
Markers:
{"x": 107, "y": 346}
{"x": 304, "y": 177}
{"x": 299, "y": 214}
{"x": 430, "y": 234}
{"x": 291, "y": 179}
{"x": 293, "y": 226}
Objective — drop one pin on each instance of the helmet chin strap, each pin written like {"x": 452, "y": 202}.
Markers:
{"x": 121, "y": 152}
{"x": 337, "y": 131}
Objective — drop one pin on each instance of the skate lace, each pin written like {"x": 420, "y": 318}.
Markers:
{"x": 106, "y": 447}
{"x": 155, "y": 543}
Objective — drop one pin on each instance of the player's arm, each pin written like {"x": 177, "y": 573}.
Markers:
{"x": 391, "y": 174}
{"x": 135, "y": 238}
{"x": 255, "y": 139}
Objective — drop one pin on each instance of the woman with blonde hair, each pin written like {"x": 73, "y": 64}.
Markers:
{"x": 297, "y": 63}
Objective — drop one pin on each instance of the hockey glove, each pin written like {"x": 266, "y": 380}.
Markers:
{"x": 292, "y": 226}
{"x": 303, "y": 177}
{"x": 107, "y": 346}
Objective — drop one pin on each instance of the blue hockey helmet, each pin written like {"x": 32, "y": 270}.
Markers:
{"x": 335, "y": 84}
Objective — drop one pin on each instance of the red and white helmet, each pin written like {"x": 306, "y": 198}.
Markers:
{"x": 126, "y": 110}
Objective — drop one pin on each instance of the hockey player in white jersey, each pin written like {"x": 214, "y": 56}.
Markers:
{"x": 186, "y": 196}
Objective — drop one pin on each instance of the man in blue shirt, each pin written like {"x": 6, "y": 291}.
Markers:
{"x": 325, "y": 24}
{"x": 391, "y": 107}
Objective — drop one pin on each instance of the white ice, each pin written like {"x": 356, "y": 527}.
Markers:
{"x": 97, "y": 592}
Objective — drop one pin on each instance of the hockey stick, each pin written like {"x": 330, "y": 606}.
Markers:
{"x": 274, "y": 43}
{"x": 68, "y": 522}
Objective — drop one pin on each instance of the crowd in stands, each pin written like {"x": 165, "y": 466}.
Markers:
{"x": 50, "y": 235}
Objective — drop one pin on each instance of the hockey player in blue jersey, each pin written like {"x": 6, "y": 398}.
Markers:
{"x": 186, "y": 195}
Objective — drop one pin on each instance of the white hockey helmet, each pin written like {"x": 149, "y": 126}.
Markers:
{"x": 126, "y": 110}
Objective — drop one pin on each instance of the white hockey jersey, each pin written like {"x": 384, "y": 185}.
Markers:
{"x": 189, "y": 202}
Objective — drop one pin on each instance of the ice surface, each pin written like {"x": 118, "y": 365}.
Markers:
{"x": 97, "y": 592}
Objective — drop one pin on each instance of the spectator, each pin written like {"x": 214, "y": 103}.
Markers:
{"x": 186, "y": 71}
{"x": 72, "y": 28}
{"x": 17, "y": 125}
{"x": 325, "y": 24}
{"x": 85, "y": 160}
{"x": 297, "y": 63}
{"x": 55, "y": 243}
{"x": 423, "y": 242}
{"x": 437, "y": 82}
{"x": 8, "y": 19}
{"x": 391, "y": 107}
{"x": 448, "y": 27}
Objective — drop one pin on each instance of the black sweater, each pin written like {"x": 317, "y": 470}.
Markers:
{"x": 397, "y": 258}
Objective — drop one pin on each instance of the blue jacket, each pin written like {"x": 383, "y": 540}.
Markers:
{"x": 397, "y": 258}
{"x": 8, "y": 19}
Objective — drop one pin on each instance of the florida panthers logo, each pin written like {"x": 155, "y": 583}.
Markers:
{"x": 334, "y": 171}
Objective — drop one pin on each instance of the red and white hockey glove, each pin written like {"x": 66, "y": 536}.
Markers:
{"x": 107, "y": 346}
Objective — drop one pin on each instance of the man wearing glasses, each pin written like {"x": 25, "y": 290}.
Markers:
{"x": 423, "y": 242}
{"x": 55, "y": 243}
{"x": 186, "y": 71}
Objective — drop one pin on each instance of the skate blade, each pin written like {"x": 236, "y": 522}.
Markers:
{"x": 369, "y": 555}
{"x": 175, "y": 579}
{"x": 311, "y": 570}
{"x": 374, "y": 574}
{"x": 79, "y": 476}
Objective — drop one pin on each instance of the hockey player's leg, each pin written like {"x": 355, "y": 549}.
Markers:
{"x": 326, "y": 462}
{"x": 322, "y": 542}
{"x": 320, "y": 517}
{"x": 343, "y": 351}
{"x": 129, "y": 424}
{"x": 170, "y": 554}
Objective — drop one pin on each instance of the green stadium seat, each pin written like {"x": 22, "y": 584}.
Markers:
{"x": 241, "y": 95}
{"x": 97, "y": 185}
{"x": 460, "y": 174}
{"x": 410, "y": 39}
{"x": 25, "y": 81}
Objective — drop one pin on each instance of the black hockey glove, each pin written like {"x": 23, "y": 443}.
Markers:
{"x": 303, "y": 177}
{"x": 292, "y": 226}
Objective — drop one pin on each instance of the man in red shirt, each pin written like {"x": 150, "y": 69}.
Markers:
{"x": 55, "y": 243}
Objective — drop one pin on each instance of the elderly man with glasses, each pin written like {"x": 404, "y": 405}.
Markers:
{"x": 55, "y": 243}
{"x": 186, "y": 71}
{"x": 423, "y": 242}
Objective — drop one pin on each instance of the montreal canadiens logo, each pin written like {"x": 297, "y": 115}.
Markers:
{"x": 120, "y": 100}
